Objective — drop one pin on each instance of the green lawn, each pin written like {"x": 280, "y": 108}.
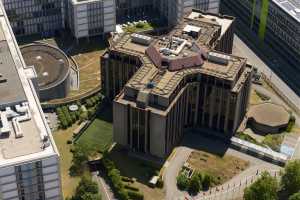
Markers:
{"x": 99, "y": 133}
{"x": 140, "y": 27}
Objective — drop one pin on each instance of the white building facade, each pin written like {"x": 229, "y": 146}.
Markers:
{"x": 91, "y": 17}
{"x": 29, "y": 159}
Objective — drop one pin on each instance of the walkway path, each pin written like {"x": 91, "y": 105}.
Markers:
{"x": 172, "y": 169}
{"x": 182, "y": 153}
{"x": 104, "y": 188}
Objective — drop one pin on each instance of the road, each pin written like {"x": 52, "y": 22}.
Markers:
{"x": 191, "y": 142}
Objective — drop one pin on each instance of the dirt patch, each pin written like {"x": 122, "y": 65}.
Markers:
{"x": 222, "y": 168}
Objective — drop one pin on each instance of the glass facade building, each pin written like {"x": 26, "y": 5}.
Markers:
{"x": 29, "y": 17}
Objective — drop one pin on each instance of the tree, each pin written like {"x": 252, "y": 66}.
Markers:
{"x": 195, "y": 184}
{"x": 207, "y": 180}
{"x": 86, "y": 190}
{"x": 290, "y": 180}
{"x": 81, "y": 153}
{"x": 295, "y": 196}
{"x": 89, "y": 196}
{"x": 265, "y": 188}
{"x": 182, "y": 181}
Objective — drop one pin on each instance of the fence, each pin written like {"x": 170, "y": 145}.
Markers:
{"x": 232, "y": 191}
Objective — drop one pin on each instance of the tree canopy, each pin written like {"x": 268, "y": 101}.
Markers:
{"x": 265, "y": 188}
{"x": 290, "y": 180}
{"x": 86, "y": 190}
{"x": 295, "y": 196}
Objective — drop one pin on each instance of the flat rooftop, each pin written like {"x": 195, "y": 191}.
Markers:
{"x": 24, "y": 133}
{"x": 184, "y": 51}
{"x": 10, "y": 85}
{"x": 51, "y": 64}
{"x": 292, "y": 7}
{"x": 223, "y": 21}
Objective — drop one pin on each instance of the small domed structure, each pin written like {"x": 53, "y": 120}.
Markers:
{"x": 268, "y": 118}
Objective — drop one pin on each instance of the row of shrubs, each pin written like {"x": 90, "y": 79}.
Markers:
{"x": 122, "y": 191}
{"x": 66, "y": 117}
{"x": 92, "y": 101}
{"x": 198, "y": 181}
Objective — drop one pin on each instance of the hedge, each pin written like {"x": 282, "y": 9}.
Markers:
{"x": 126, "y": 179}
{"x": 135, "y": 195}
{"x": 129, "y": 187}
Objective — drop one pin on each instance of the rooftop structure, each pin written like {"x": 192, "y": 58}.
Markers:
{"x": 25, "y": 138}
{"x": 268, "y": 118}
{"x": 174, "y": 81}
{"x": 52, "y": 67}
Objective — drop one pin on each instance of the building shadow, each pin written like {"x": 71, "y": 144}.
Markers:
{"x": 204, "y": 141}
{"x": 105, "y": 112}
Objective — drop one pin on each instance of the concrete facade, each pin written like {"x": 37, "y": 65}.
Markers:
{"x": 160, "y": 91}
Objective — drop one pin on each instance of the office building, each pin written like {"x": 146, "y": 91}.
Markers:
{"x": 164, "y": 85}
{"x": 276, "y": 23}
{"x": 87, "y": 18}
{"x": 174, "y": 10}
{"x": 33, "y": 17}
{"x": 29, "y": 160}
{"x": 91, "y": 17}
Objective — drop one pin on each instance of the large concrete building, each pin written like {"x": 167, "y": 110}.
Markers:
{"x": 29, "y": 160}
{"x": 276, "y": 23}
{"x": 164, "y": 85}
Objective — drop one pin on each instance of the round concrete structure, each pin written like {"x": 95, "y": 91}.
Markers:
{"x": 268, "y": 118}
{"x": 52, "y": 67}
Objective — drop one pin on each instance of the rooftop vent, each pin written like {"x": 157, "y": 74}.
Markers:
{"x": 150, "y": 85}
{"x": 218, "y": 58}
{"x": 141, "y": 39}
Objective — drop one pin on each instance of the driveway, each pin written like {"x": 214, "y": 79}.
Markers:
{"x": 172, "y": 169}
